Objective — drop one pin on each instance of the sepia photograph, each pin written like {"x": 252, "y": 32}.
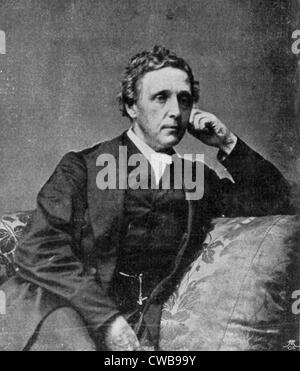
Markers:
{"x": 149, "y": 178}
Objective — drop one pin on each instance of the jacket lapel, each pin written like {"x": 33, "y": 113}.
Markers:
{"x": 106, "y": 213}
{"x": 105, "y": 210}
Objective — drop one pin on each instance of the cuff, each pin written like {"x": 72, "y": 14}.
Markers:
{"x": 239, "y": 159}
{"x": 224, "y": 153}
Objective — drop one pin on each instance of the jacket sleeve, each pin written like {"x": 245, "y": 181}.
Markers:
{"x": 48, "y": 256}
{"x": 258, "y": 189}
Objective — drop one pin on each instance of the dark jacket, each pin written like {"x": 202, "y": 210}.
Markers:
{"x": 69, "y": 255}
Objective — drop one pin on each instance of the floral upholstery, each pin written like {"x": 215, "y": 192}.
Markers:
{"x": 237, "y": 293}
{"x": 12, "y": 227}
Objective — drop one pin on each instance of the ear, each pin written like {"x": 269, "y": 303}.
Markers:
{"x": 132, "y": 111}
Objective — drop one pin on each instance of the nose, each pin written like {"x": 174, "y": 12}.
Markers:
{"x": 174, "y": 109}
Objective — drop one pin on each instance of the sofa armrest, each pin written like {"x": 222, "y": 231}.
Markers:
{"x": 237, "y": 294}
{"x": 12, "y": 228}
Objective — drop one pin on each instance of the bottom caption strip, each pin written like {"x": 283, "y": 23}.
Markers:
{"x": 144, "y": 359}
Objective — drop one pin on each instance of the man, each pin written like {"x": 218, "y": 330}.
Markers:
{"x": 97, "y": 264}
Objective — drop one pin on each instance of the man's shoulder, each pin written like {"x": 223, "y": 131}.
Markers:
{"x": 80, "y": 161}
{"x": 88, "y": 154}
{"x": 108, "y": 146}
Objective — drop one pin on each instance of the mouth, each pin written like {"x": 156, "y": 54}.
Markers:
{"x": 171, "y": 127}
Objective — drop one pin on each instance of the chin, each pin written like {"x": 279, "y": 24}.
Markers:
{"x": 170, "y": 141}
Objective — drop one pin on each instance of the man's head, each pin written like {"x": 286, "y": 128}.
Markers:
{"x": 158, "y": 92}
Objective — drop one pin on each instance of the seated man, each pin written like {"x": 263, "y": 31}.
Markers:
{"x": 109, "y": 242}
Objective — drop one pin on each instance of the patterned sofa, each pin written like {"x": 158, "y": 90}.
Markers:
{"x": 237, "y": 294}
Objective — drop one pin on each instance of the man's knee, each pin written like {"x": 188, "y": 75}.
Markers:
{"x": 63, "y": 330}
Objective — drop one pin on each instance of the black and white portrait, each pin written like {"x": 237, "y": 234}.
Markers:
{"x": 149, "y": 176}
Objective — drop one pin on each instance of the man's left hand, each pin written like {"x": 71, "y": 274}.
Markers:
{"x": 210, "y": 130}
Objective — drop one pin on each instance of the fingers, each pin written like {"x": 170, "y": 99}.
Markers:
{"x": 202, "y": 121}
{"x": 132, "y": 339}
{"x": 124, "y": 342}
{"x": 121, "y": 337}
{"x": 209, "y": 129}
{"x": 195, "y": 111}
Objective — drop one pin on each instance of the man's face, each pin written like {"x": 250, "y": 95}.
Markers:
{"x": 163, "y": 107}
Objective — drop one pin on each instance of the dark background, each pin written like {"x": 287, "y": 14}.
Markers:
{"x": 64, "y": 59}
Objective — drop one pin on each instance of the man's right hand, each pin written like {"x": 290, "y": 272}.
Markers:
{"x": 121, "y": 337}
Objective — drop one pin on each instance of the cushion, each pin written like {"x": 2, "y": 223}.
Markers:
{"x": 235, "y": 296}
{"x": 237, "y": 293}
{"x": 12, "y": 228}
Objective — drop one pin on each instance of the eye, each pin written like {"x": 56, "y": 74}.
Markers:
{"x": 185, "y": 100}
{"x": 161, "y": 98}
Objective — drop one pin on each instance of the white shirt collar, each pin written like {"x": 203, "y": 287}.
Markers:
{"x": 157, "y": 160}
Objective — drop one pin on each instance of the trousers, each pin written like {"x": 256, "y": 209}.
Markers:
{"x": 63, "y": 330}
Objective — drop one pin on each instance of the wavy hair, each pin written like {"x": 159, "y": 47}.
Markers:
{"x": 146, "y": 61}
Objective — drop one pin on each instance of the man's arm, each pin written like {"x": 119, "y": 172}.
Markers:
{"x": 258, "y": 188}
{"x": 48, "y": 257}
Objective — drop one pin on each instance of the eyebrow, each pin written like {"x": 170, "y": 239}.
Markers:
{"x": 163, "y": 92}
{"x": 167, "y": 92}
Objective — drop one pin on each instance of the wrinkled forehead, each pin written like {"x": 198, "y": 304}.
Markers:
{"x": 165, "y": 79}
